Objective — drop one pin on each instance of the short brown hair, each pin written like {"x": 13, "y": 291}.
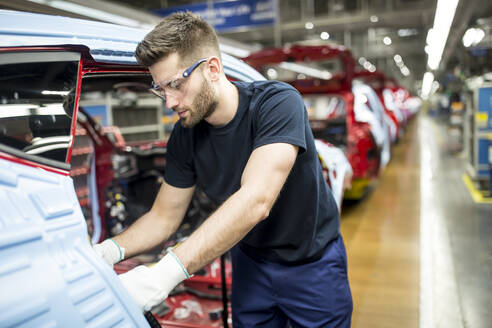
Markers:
{"x": 184, "y": 33}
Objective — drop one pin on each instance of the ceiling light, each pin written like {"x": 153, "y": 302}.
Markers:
{"x": 362, "y": 60}
{"x": 324, "y": 35}
{"x": 430, "y": 38}
{"x": 427, "y": 49}
{"x": 397, "y": 58}
{"x": 405, "y": 71}
{"x": 387, "y": 40}
{"x": 404, "y": 32}
{"x": 473, "y": 36}
{"x": 57, "y": 93}
{"x": 368, "y": 65}
{"x": 468, "y": 38}
{"x": 309, "y": 25}
{"x": 374, "y": 19}
{"x": 436, "y": 39}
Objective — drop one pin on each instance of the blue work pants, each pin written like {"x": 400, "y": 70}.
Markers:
{"x": 267, "y": 294}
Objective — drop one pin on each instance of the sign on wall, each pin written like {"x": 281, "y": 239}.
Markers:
{"x": 230, "y": 15}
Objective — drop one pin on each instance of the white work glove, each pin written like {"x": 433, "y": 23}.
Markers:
{"x": 110, "y": 251}
{"x": 149, "y": 286}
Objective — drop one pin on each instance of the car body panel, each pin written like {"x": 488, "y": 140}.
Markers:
{"x": 49, "y": 273}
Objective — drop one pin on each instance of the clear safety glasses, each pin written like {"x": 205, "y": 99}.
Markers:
{"x": 174, "y": 88}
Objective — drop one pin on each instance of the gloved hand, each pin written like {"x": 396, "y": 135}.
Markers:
{"x": 110, "y": 251}
{"x": 150, "y": 286}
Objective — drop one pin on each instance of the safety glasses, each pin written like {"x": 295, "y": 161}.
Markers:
{"x": 174, "y": 88}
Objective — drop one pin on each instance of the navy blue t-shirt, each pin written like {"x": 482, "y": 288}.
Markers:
{"x": 304, "y": 219}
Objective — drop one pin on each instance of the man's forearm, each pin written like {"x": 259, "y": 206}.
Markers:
{"x": 222, "y": 230}
{"x": 146, "y": 233}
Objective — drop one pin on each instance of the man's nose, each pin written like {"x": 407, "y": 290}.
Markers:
{"x": 171, "y": 102}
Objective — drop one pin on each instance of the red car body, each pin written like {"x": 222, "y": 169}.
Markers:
{"x": 358, "y": 144}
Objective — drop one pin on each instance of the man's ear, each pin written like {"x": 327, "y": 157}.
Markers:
{"x": 214, "y": 68}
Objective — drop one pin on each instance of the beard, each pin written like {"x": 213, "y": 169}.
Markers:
{"x": 203, "y": 106}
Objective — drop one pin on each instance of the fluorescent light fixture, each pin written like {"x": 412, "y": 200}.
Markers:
{"x": 309, "y": 25}
{"x": 387, "y": 40}
{"x": 20, "y": 110}
{"x": 438, "y": 35}
{"x": 314, "y": 72}
{"x": 374, "y": 19}
{"x": 58, "y": 93}
{"x": 427, "y": 84}
{"x": 369, "y": 66}
{"x": 468, "y": 38}
{"x": 92, "y": 13}
{"x": 473, "y": 36}
{"x": 404, "y": 32}
{"x": 405, "y": 71}
{"x": 324, "y": 35}
{"x": 430, "y": 38}
{"x": 397, "y": 58}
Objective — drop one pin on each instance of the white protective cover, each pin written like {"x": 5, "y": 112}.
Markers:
{"x": 364, "y": 94}
{"x": 339, "y": 169}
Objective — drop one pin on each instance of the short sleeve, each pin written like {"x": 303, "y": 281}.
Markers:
{"x": 280, "y": 118}
{"x": 179, "y": 171}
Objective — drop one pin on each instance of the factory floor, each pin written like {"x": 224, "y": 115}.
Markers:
{"x": 419, "y": 247}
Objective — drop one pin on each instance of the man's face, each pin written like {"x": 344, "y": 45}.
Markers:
{"x": 194, "y": 98}
{"x": 204, "y": 105}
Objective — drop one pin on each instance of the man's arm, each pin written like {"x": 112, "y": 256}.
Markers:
{"x": 263, "y": 178}
{"x": 157, "y": 225}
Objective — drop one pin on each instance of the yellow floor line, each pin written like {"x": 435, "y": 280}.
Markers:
{"x": 477, "y": 196}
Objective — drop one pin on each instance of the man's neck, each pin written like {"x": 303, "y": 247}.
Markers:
{"x": 227, "y": 107}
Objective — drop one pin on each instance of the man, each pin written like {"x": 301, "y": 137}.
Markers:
{"x": 250, "y": 148}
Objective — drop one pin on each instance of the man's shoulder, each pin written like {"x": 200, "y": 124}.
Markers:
{"x": 259, "y": 92}
{"x": 268, "y": 87}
